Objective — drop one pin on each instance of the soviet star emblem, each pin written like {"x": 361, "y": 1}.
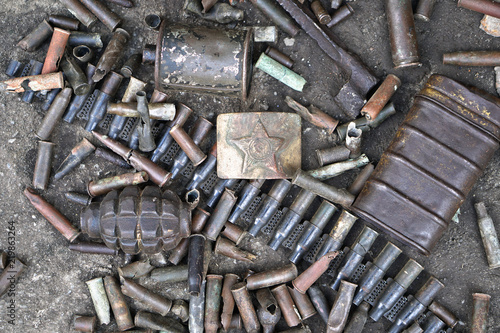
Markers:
{"x": 259, "y": 149}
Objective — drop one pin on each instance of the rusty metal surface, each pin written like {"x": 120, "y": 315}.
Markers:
{"x": 55, "y": 51}
{"x": 488, "y": 7}
{"x": 258, "y": 145}
{"x": 34, "y": 83}
{"x": 490, "y": 25}
{"x": 472, "y": 58}
{"x": 105, "y": 185}
{"x": 381, "y": 96}
{"x": 430, "y": 166}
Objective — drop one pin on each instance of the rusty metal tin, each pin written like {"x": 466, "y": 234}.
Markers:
{"x": 313, "y": 115}
{"x": 340, "y": 14}
{"x": 341, "y": 307}
{"x": 320, "y": 12}
{"x": 424, "y": 10}
{"x": 227, "y": 299}
{"x": 119, "y": 306}
{"x": 472, "y": 58}
{"x": 43, "y": 165}
{"x": 85, "y": 324}
{"x": 182, "y": 50}
{"x": 228, "y": 248}
{"x": 79, "y": 11}
{"x": 53, "y": 216}
{"x": 288, "y": 308}
{"x": 111, "y": 54}
{"x": 233, "y": 232}
{"x": 307, "y": 278}
{"x": 36, "y": 37}
{"x": 212, "y": 303}
{"x": 258, "y": 145}
{"x": 402, "y": 33}
{"x": 445, "y": 158}
{"x": 105, "y": 185}
{"x": 381, "y": 96}
{"x": 272, "y": 277}
{"x": 481, "y": 307}
{"x": 80, "y": 152}
{"x": 276, "y": 14}
{"x": 34, "y": 83}
{"x": 56, "y": 50}
{"x": 245, "y": 307}
{"x": 303, "y": 303}
{"x": 279, "y": 56}
{"x": 487, "y": 7}
{"x": 103, "y": 13}
{"x": 64, "y": 22}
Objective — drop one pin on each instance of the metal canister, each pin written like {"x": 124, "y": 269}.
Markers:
{"x": 224, "y": 55}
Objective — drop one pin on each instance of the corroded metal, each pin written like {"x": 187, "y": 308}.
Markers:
{"x": 196, "y": 263}
{"x": 488, "y": 235}
{"x": 78, "y": 102}
{"x": 358, "y": 183}
{"x": 111, "y": 157}
{"x": 202, "y": 173}
{"x": 78, "y": 153}
{"x": 168, "y": 220}
{"x": 43, "y": 165}
{"x": 358, "y": 319}
{"x": 487, "y": 7}
{"x": 341, "y": 307}
{"x": 123, "y": 3}
{"x": 180, "y": 309}
{"x": 336, "y": 169}
{"x": 319, "y": 301}
{"x": 79, "y": 11}
{"x": 189, "y": 144}
{"x": 220, "y": 215}
{"x": 34, "y": 83}
{"x": 421, "y": 153}
{"x": 156, "y": 322}
{"x": 144, "y": 125}
{"x": 444, "y": 314}
{"x": 472, "y": 58}
{"x": 93, "y": 248}
{"x": 280, "y": 72}
{"x": 245, "y": 307}
{"x": 288, "y": 308}
{"x": 213, "y": 303}
{"x": 84, "y": 324}
{"x": 272, "y": 277}
{"x": 332, "y": 155}
{"x": 131, "y": 65}
{"x": 170, "y": 274}
{"x": 151, "y": 300}
{"x": 100, "y": 300}
{"x": 233, "y": 232}
{"x": 279, "y": 56}
{"x": 381, "y": 96}
{"x": 90, "y": 39}
{"x": 54, "y": 113}
{"x": 64, "y": 22}
{"x": 269, "y": 311}
{"x": 55, "y": 51}
{"x": 103, "y": 95}
{"x": 338, "y": 233}
{"x": 227, "y": 299}
{"x": 103, "y": 13}
{"x": 36, "y": 37}
{"x": 353, "y": 140}
{"x": 481, "y": 307}
{"x": 424, "y": 10}
{"x": 246, "y": 197}
{"x": 119, "y": 306}
{"x": 340, "y": 14}
{"x": 307, "y": 278}
{"x": 303, "y": 303}
{"x": 111, "y": 54}
{"x": 53, "y": 216}
{"x": 153, "y": 21}
{"x": 197, "y": 310}
{"x": 313, "y": 115}
{"x": 277, "y": 15}
{"x": 136, "y": 269}
{"x": 83, "y": 53}
{"x": 497, "y": 79}
{"x": 320, "y": 12}
{"x": 229, "y": 249}
{"x": 258, "y": 145}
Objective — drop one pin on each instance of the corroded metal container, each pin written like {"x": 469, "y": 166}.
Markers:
{"x": 203, "y": 60}
{"x": 438, "y": 153}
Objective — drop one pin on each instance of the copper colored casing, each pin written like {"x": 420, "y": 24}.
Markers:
{"x": 313, "y": 115}
{"x": 287, "y": 306}
{"x": 34, "y": 83}
{"x": 106, "y": 16}
{"x": 381, "y": 97}
{"x": 187, "y": 144}
{"x": 221, "y": 213}
{"x": 486, "y": 7}
{"x": 272, "y": 277}
{"x": 84, "y": 324}
{"x": 227, "y": 299}
{"x": 56, "y": 50}
{"x": 245, "y": 307}
{"x": 303, "y": 303}
{"x": 83, "y": 15}
{"x": 307, "y": 278}
{"x": 153, "y": 301}
{"x": 481, "y": 307}
{"x": 120, "y": 308}
{"x": 36, "y": 37}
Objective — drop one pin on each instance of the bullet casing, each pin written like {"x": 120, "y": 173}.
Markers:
{"x": 196, "y": 263}
{"x": 338, "y": 233}
{"x": 332, "y": 155}
{"x": 229, "y": 249}
{"x": 233, "y": 232}
{"x": 220, "y": 215}
{"x": 481, "y": 307}
{"x": 279, "y": 56}
{"x": 43, "y": 165}
{"x": 353, "y": 140}
{"x": 79, "y": 11}
{"x": 424, "y": 10}
{"x": 269, "y": 312}
{"x": 340, "y": 14}
{"x": 415, "y": 328}
{"x": 319, "y": 301}
{"x": 212, "y": 303}
{"x": 54, "y": 113}
{"x": 433, "y": 324}
{"x": 303, "y": 303}
{"x": 14, "y": 69}
{"x": 358, "y": 183}
{"x": 227, "y": 299}
{"x": 170, "y": 274}
{"x": 55, "y": 51}
{"x": 90, "y": 39}
{"x": 64, "y": 22}
{"x": 156, "y": 322}
{"x": 341, "y": 307}
{"x": 313, "y": 115}
{"x": 358, "y": 319}
{"x": 272, "y": 277}
{"x": 103, "y": 13}
{"x": 75, "y": 75}
{"x": 247, "y": 196}
{"x": 444, "y": 314}
{"x": 79, "y": 153}
{"x": 92, "y": 248}
{"x": 280, "y": 72}
{"x": 136, "y": 269}
{"x": 245, "y": 307}
{"x": 189, "y": 143}
{"x": 131, "y": 65}
{"x": 111, "y": 54}
{"x": 181, "y": 309}
{"x": 308, "y": 277}
{"x": 153, "y": 21}
{"x": 488, "y": 235}
{"x": 120, "y": 308}
{"x": 100, "y": 300}
{"x": 84, "y": 324}
{"x": 36, "y": 37}
{"x": 472, "y": 58}
{"x": 381, "y": 96}
{"x": 152, "y": 301}
{"x": 202, "y": 173}
{"x": 486, "y": 7}
{"x": 83, "y": 53}
{"x": 111, "y": 157}
{"x": 79, "y": 101}
{"x": 36, "y": 69}
{"x": 104, "y": 95}
{"x": 276, "y": 14}
{"x": 34, "y": 83}
{"x": 197, "y": 310}
{"x": 338, "y": 168}
{"x": 320, "y": 12}
{"x": 288, "y": 308}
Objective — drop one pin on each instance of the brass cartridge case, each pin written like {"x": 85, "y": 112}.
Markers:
{"x": 488, "y": 235}
{"x": 90, "y": 39}
{"x": 92, "y": 248}
{"x": 111, "y": 54}
{"x": 332, "y": 155}
{"x": 181, "y": 309}
{"x": 287, "y": 306}
{"x": 313, "y": 115}
{"x": 402, "y": 33}
{"x": 381, "y": 97}
{"x": 120, "y": 308}
{"x": 36, "y": 37}
{"x": 11, "y": 273}
{"x": 319, "y": 301}
{"x": 338, "y": 168}
{"x": 307, "y": 278}
{"x": 245, "y": 307}
{"x": 43, "y": 165}
{"x": 64, "y": 22}
{"x": 56, "y": 50}
{"x": 341, "y": 307}
{"x": 227, "y": 299}
{"x": 424, "y": 10}
{"x": 156, "y": 322}
{"x": 34, "y": 83}
{"x": 84, "y": 324}
{"x": 152, "y": 301}
{"x": 303, "y": 303}
{"x": 233, "y": 232}
{"x": 444, "y": 314}
{"x": 280, "y": 72}
{"x": 227, "y": 248}
{"x": 340, "y": 14}
{"x": 486, "y": 7}
{"x": 83, "y": 53}
{"x": 78, "y": 10}
{"x": 212, "y": 303}
{"x": 136, "y": 269}
{"x": 481, "y": 307}
{"x": 277, "y": 15}
{"x": 59, "y": 221}
{"x": 131, "y": 65}
{"x": 472, "y": 58}
{"x": 153, "y": 21}
{"x": 74, "y": 74}
{"x": 54, "y": 113}
{"x": 103, "y": 13}
{"x": 171, "y": 274}
{"x": 358, "y": 183}
{"x": 195, "y": 154}
{"x": 100, "y": 300}
{"x": 279, "y": 56}
{"x": 353, "y": 140}
{"x": 111, "y": 157}
{"x": 320, "y": 12}
{"x": 272, "y": 277}
{"x": 358, "y": 319}
{"x": 79, "y": 153}
{"x": 106, "y": 185}
{"x": 338, "y": 233}
{"x": 269, "y": 312}
{"x": 221, "y": 213}
{"x": 331, "y": 193}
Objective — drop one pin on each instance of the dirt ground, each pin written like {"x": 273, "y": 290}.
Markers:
{"x": 52, "y": 289}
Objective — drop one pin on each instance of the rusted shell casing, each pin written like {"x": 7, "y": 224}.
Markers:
{"x": 245, "y": 306}
{"x": 227, "y": 299}
{"x": 338, "y": 233}
{"x": 287, "y": 306}
{"x": 472, "y": 58}
{"x": 156, "y": 322}
{"x": 247, "y": 195}
{"x": 196, "y": 263}
{"x": 320, "y": 12}
{"x": 444, "y": 314}
{"x": 381, "y": 97}
{"x": 360, "y": 180}
{"x": 111, "y": 157}
{"x": 279, "y": 56}
{"x": 341, "y": 307}
{"x": 424, "y": 10}
{"x": 227, "y": 248}
{"x": 171, "y": 274}
{"x": 220, "y": 215}
{"x": 92, "y": 248}
{"x": 77, "y": 102}
{"x": 303, "y": 303}
{"x": 320, "y": 302}
{"x": 195, "y": 154}
{"x": 123, "y": 3}
{"x": 272, "y": 277}
{"x": 422, "y": 152}
{"x": 402, "y": 33}
{"x": 83, "y": 53}
{"x": 331, "y": 193}
{"x": 269, "y": 312}
{"x": 43, "y": 165}
{"x": 180, "y": 308}
{"x": 332, "y": 155}
{"x": 336, "y": 169}
{"x": 54, "y": 113}
{"x": 280, "y": 72}
{"x": 358, "y": 319}
{"x": 153, "y": 21}
{"x": 212, "y": 303}
{"x": 157, "y": 175}
{"x": 64, "y": 22}
{"x": 90, "y": 39}
{"x": 197, "y": 310}
{"x": 136, "y": 269}
{"x": 59, "y": 221}
{"x": 74, "y": 74}
{"x": 152, "y": 301}
{"x": 118, "y": 304}
{"x": 84, "y": 324}
{"x": 340, "y": 14}
{"x": 202, "y": 173}
{"x": 100, "y": 299}
{"x": 11, "y": 273}
{"x": 182, "y": 51}
{"x": 78, "y": 10}
{"x": 111, "y": 54}
{"x": 307, "y": 278}
{"x": 481, "y": 307}
{"x": 79, "y": 153}
{"x": 276, "y": 14}
{"x": 36, "y": 37}
{"x": 34, "y": 83}
{"x": 488, "y": 235}
{"x": 353, "y": 140}
{"x": 487, "y": 7}
{"x": 144, "y": 124}
{"x": 103, "y": 13}
{"x": 131, "y": 65}
{"x": 56, "y": 50}
{"x": 313, "y": 115}
{"x": 233, "y": 232}
{"x": 433, "y": 324}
